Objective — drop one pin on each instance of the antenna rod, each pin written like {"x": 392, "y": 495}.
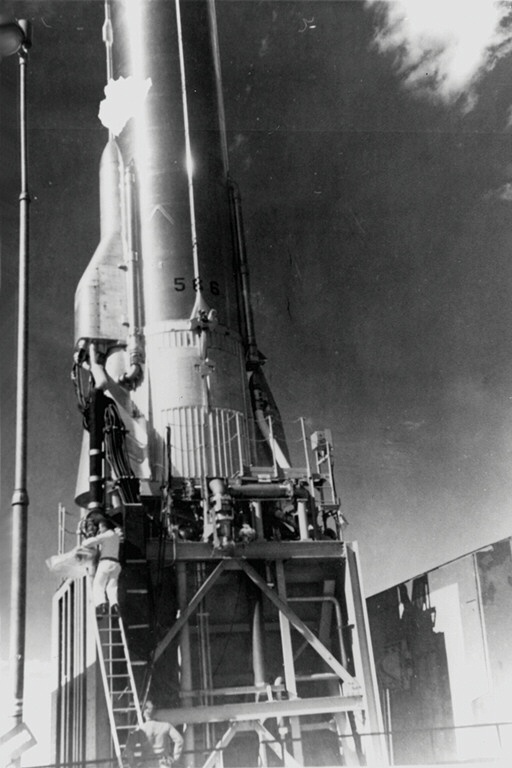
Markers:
{"x": 108, "y": 38}
{"x": 107, "y": 33}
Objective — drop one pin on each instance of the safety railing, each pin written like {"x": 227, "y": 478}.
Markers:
{"x": 496, "y": 736}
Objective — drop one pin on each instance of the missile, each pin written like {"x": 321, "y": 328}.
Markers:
{"x": 183, "y": 441}
{"x": 168, "y": 374}
{"x": 163, "y": 318}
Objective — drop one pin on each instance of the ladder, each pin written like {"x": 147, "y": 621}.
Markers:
{"x": 121, "y": 696}
{"x": 321, "y": 443}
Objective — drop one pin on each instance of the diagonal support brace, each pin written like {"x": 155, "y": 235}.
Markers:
{"x": 189, "y": 610}
{"x": 299, "y": 625}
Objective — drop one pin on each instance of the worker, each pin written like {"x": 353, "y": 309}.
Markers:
{"x": 87, "y": 528}
{"x": 104, "y": 587}
{"x": 284, "y": 527}
{"x": 152, "y": 742}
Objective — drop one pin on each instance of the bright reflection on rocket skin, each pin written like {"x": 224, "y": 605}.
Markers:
{"x": 139, "y": 47}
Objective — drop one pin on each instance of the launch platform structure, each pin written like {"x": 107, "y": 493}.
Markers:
{"x": 244, "y": 616}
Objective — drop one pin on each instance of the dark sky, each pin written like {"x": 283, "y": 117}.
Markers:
{"x": 381, "y": 269}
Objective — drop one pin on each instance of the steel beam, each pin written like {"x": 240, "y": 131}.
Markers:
{"x": 289, "y": 666}
{"x": 368, "y": 671}
{"x": 299, "y": 625}
{"x": 262, "y": 710}
{"x": 191, "y": 607}
{"x": 255, "y": 550}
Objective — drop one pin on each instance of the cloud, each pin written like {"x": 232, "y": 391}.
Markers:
{"x": 443, "y": 48}
{"x": 124, "y": 98}
{"x": 502, "y": 193}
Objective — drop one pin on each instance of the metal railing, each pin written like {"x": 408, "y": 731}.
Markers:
{"x": 499, "y": 746}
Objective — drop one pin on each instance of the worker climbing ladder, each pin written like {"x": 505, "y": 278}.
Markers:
{"x": 121, "y": 696}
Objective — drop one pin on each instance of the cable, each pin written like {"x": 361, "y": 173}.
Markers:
{"x": 115, "y": 451}
{"x": 83, "y": 397}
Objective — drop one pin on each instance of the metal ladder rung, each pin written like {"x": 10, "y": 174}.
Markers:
{"x": 138, "y": 626}
{"x": 137, "y": 591}
{"x": 125, "y": 709}
{"x": 112, "y": 659}
{"x": 119, "y": 674}
{"x": 135, "y": 561}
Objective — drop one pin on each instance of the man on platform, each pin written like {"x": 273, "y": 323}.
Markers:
{"x": 151, "y": 744}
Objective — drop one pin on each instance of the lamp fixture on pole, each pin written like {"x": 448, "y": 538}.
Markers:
{"x": 15, "y": 38}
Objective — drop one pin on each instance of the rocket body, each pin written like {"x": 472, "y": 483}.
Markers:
{"x": 193, "y": 398}
{"x": 177, "y": 148}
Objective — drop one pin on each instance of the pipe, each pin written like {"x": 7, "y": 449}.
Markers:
{"x": 218, "y": 84}
{"x": 258, "y": 660}
{"x": 258, "y": 519}
{"x": 133, "y": 376}
{"x": 107, "y": 35}
{"x": 239, "y": 443}
{"x": 339, "y": 620}
{"x": 267, "y": 491}
{"x": 96, "y": 426}
{"x": 253, "y": 357}
{"x": 186, "y": 664}
{"x": 205, "y": 667}
{"x": 270, "y": 440}
{"x": 104, "y": 381}
{"x": 303, "y": 520}
{"x": 97, "y": 369}
{"x": 96, "y": 455}
{"x": 203, "y": 628}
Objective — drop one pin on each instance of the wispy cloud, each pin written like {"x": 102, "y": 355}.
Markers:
{"x": 442, "y": 48}
{"x": 502, "y": 193}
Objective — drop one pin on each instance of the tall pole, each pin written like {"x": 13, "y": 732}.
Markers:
{"x": 20, "y": 499}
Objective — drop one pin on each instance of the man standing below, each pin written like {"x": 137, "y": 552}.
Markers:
{"x": 104, "y": 586}
{"x": 154, "y": 741}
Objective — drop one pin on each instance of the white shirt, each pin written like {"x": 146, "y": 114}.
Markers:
{"x": 159, "y": 733}
{"x": 108, "y": 543}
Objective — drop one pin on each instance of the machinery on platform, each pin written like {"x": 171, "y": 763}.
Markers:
{"x": 242, "y": 613}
